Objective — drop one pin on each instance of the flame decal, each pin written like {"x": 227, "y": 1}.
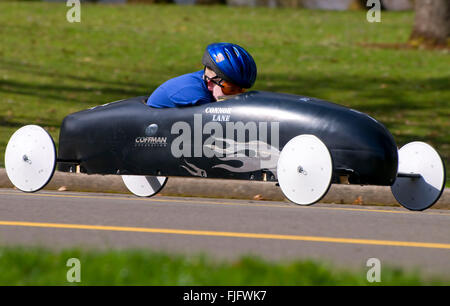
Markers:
{"x": 195, "y": 171}
{"x": 263, "y": 155}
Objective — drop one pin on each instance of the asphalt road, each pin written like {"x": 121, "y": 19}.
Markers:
{"x": 344, "y": 235}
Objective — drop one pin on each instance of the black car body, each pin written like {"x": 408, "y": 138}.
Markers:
{"x": 238, "y": 138}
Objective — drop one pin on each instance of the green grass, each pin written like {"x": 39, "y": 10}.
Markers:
{"x": 32, "y": 266}
{"x": 50, "y": 68}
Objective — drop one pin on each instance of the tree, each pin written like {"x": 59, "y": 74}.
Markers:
{"x": 432, "y": 23}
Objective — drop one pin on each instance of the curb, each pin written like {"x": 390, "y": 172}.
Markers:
{"x": 219, "y": 188}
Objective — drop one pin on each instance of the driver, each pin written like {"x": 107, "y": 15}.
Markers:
{"x": 228, "y": 70}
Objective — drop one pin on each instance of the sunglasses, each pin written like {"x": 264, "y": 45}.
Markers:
{"x": 227, "y": 87}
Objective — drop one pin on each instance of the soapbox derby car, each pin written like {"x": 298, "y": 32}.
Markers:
{"x": 304, "y": 144}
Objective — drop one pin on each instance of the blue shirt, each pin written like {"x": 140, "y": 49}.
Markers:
{"x": 185, "y": 90}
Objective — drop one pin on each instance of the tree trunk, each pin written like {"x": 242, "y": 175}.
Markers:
{"x": 432, "y": 22}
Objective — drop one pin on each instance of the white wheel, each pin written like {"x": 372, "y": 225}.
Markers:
{"x": 419, "y": 193}
{"x": 144, "y": 186}
{"x": 305, "y": 169}
{"x": 30, "y": 158}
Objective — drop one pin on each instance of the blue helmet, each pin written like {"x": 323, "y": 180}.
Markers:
{"x": 231, "y": 63}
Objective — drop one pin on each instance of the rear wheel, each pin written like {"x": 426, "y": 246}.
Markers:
{"x": 144, "y": 186}
{"x": 30, "y": 158}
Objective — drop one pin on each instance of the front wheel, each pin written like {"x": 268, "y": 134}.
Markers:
{"x": 420, "y": 178}
{"x": 305, "y": 169}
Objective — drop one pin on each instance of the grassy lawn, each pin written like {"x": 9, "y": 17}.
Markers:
{"x": 50, "y": 68}
{"x": 31, "y": 266}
